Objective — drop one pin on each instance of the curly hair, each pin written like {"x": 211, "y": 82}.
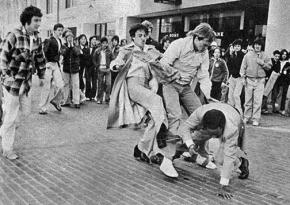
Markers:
{"x": 28, "y": 13}
{"x": 137, "y": 27}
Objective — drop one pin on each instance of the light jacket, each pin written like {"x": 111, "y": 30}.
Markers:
{"x": 191, "y": 64}
{"x": 229, "y": 150}
{"x": 250, "y": 67}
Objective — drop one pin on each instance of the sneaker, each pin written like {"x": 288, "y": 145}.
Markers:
{"x": 99, "y": 102}
{"x": 244, "y": 168}
{"x": 167, "y": 168}
{"x": 255, "y": 123}
{"x": 88, "y": 99}
{"x": 42, "y": 112}
{"x": 11, "y": 155}
{"x": 77, "y": 106}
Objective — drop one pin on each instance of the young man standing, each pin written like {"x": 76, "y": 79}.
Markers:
{"x": 253, "y": 74}
{"x": 71, "y": 67}
{"x": 91, "y": 71}
{"x": 20, "y": 56}
{"x": 51, "y": 50}
{"x": 222, "y": 121}
{"x": 234, "y": 61}
{"x": 103, "y": 58}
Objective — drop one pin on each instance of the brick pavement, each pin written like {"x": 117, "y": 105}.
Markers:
{"x": 70, "y": 158}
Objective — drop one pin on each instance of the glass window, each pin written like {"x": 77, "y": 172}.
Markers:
{"x": 101, "y": 29}
{"x": 69, "y": 3}
{"x": 48, "y": 6}
{"x": 171, "y": 24}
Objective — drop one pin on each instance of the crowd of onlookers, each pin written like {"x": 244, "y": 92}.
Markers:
{"x": 90, "y": 59}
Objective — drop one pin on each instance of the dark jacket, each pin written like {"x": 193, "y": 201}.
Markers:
{"x": 92, "y": 51}
{"x": 218, "y": 70}
{"x": 115, "y": 52}
{"x": 51, "y": 50}
{"x": 71, "y": 60}
{"x": 97, "y": 58}
{"x": 151, "y": 41}
{"x": 284, "y": 78}
{"x": 84, "y": 56}
{"x": 234, "y": 62}
{"x": 275, "y": 67}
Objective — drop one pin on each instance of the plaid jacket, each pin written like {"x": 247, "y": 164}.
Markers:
{"x": 18, "y": 63}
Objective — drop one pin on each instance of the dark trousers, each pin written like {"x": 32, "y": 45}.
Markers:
{"x": 104, "y": 85}
{"x": 81, "y": 76}
{"x": 275, "y": 93}
{"x": 216, "y": 90}
{"x": 91, "y": 82}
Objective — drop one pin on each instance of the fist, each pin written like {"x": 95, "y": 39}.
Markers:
{"x": 260, "y": 61}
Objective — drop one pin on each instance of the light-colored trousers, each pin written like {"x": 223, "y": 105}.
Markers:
{"x": 52, "y": 89}
{"x": 71, "y": 82}
{"x": 176, "y": 96}
{"x": 235, "y": 89}
{"x": 254, "y": 91}
{"x": 11, "y": 107}
{"x": 140, "y": 93}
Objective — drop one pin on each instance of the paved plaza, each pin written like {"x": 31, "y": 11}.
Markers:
{"x": 70, "y": 158}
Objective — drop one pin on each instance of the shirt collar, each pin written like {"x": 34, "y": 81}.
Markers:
{"x": 24, "y": 31}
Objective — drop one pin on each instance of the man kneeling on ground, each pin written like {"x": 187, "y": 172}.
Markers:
{"x": 222, "y": 121}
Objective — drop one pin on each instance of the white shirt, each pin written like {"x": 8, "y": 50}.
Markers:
{"x": 282, "y": 65}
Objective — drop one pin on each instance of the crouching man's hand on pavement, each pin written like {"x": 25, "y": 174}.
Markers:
{"x": 193, "y": 149}
{"x": 224, "y": 192}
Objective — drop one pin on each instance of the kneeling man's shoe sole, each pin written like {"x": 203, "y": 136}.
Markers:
{"x": 168, "y": 169}
{"x": 244, "y": 169}
{"x": 10, "y": 155}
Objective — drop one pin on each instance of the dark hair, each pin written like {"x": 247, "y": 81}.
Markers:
{"x": 284, "y": 51}
{"x": 28, "y": 13}
{"x": 276, "y": 52}
{"x": 91, "y": 38}
{"x": 259, "y": 42}
{"x": 219, "y": 48}
{"x": 164, "y": 39}
{"x": 56, "y": 26}
{"x": 237, "y": 42}
{"x": 213, "y": 119}
{"x": 80, "y": 37}
{"x": 123, "y": 40}
{"x": 103, "y": 39}
{"x": 137, "y": 27}
{"x": 116, "y": 38}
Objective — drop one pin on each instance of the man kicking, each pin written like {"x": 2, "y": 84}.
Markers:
{"x": 222, "y": 121}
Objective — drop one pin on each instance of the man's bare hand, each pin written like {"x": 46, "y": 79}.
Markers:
{"x": 224, "y": 192}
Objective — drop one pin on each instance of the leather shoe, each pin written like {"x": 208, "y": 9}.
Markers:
{"x": 167, "y": 168}
{"x": 57, "y": 106}
{"x": 244, "y": 169}
{"x": 140, "y": 155}
{"x": 77, "y": 106}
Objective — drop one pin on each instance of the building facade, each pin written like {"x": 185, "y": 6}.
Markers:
{"x": 231, "y": 19}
